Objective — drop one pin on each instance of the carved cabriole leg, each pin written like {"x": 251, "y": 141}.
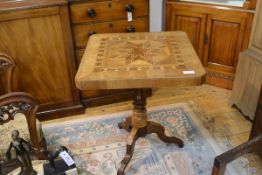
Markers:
{"x": 126, "y": 124}
{"x": 153, "y": 127}
{"x": 131, "y": 140}
{"x": 139, "y": 127}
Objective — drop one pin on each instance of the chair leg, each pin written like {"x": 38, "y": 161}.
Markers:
{"x": 218, "y": 168}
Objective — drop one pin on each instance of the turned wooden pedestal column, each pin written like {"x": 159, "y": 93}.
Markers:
{"x": 138, "y": 61}
{"x": 139, "y": 126}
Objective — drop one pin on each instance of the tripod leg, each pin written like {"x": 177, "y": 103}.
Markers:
{"x": 153, "y": 127}
{"x": 131, "y": 140}
{"x": 126, "y": 124}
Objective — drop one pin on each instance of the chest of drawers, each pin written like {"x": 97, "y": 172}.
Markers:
{"x": 105, "y": 16}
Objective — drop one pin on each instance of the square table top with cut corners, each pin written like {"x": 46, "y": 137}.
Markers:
{"x": 139, "y": 60}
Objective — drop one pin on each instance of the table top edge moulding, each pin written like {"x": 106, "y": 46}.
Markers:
{"x": 139, "y": 60}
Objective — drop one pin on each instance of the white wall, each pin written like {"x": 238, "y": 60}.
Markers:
{"x": 156, "y": 13}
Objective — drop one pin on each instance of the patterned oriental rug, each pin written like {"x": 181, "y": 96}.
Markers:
{"x": 98, "y": 145}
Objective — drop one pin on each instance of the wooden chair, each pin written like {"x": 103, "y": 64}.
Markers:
{"x": 221, "y": 161}
{"x": 17, "y": 111}
{"x": 253, "y": 145}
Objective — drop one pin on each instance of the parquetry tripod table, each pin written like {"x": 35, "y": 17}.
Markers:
{"x": 139, "y": 60}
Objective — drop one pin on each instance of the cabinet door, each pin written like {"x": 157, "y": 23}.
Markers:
{"x": 39, "y": 41}
{"x": 193, "y": 24}
{"x": 223, "y": 43}
{"x": 224, "y": 39}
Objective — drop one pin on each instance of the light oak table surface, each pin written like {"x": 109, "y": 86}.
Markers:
{"x": 139, "y": 60}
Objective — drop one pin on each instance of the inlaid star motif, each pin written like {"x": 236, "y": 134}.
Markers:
{"x": 142, "y": 52}
{"x": 138, "y": 52}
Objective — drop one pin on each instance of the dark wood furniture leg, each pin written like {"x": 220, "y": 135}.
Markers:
{"x": 139, "y": 126}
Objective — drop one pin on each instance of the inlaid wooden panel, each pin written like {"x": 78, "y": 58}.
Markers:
{"x": 194, "y": 25}
{"x": 41, "y": 64}
{"x": 225, "y": 36}
{"x": 107, "y": 10}
{"x": 139, "y": 60}
{"x": 82, "y": 32}
{"x": 88, "y": 94}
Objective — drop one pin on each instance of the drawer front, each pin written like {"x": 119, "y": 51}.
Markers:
{"x": 82, "y": 32}
{"x": 107, "y": 10}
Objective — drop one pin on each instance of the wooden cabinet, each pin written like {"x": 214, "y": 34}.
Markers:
{"x": 105, "y": 16}
{"x": 217, "y": 34}
{"x": 43, "y": 54}
{"x": 106, "y": 10}
{"x": 82, "y": 32}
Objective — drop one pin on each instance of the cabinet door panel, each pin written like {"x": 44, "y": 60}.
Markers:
{"x": 191, "y": 26}
{"x": 230, "y": 33}
{"x": 225, "y": 36}
{"x": 37, "y": 46}
{"x": 194, "y": 25}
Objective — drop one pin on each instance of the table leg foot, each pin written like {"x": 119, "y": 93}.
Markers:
{"x": 126, "y": 124}
{"x": 153, "y": 127}
{"x": 131, "y": 140}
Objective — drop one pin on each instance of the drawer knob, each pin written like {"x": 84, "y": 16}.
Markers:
{"x": 131, "y": 29}
{"x": 130, "y": 8}
{"x": 91, "y": 33}
{"x": 91, "y": 13}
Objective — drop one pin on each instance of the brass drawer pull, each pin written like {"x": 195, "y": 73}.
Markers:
{"x": 131, "y": 29}
{"x": 91, "y": 13}
{"x": 91, "y": 33}
{"x": 130, "y": 8}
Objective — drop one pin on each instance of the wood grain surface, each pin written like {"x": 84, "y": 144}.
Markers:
{"x": 139, "y": 60}
{"x": 8, "y": 5}
{"x": 217, "y": 33}
{"x": 256, "y": 36}
{"x": 107, "y": 10}
{"x": 43, "y": 55}
{"x": 82, "y": 32}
